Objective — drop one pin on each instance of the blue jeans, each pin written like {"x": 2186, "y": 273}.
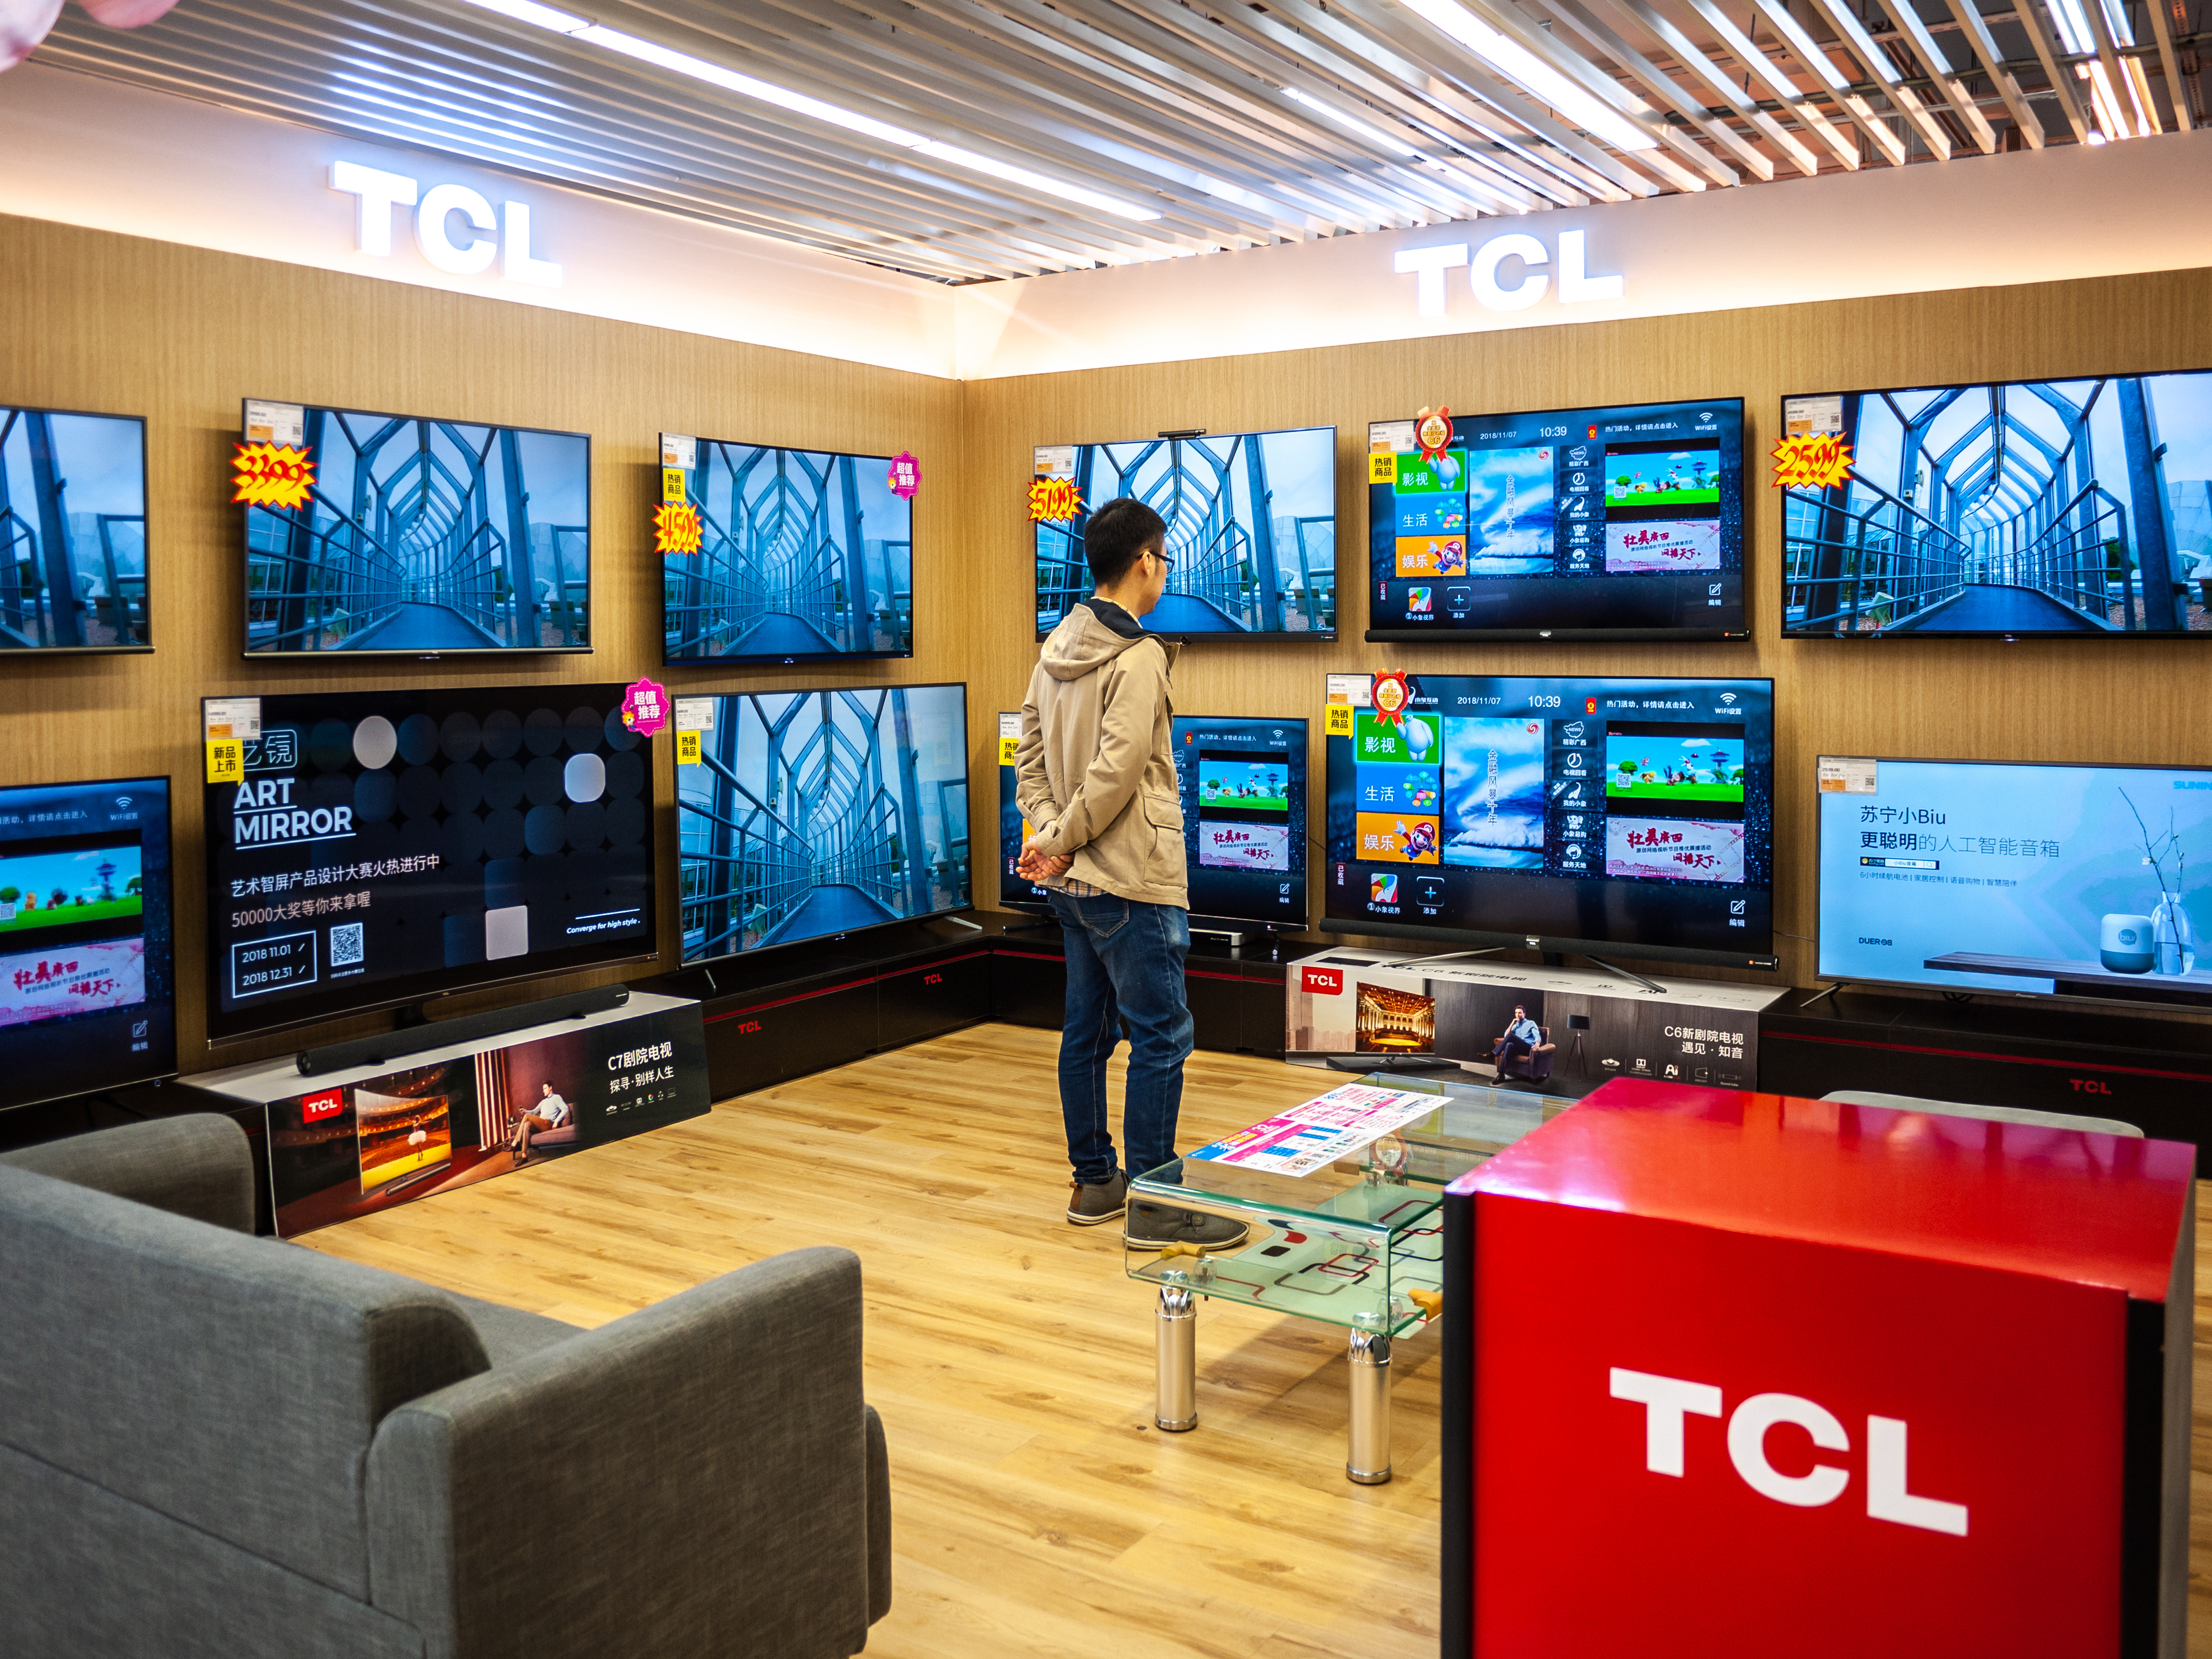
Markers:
{"x": 1124, "y": 963}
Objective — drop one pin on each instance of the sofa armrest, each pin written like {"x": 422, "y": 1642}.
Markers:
{"x": 692, "y": 1481}
{"x": 200, "y": 1167}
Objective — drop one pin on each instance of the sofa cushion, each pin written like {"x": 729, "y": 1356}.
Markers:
{"x": 199, "y": 1166}
{"x": 232, "y": 1382}
{"x": 508, "y": 1333}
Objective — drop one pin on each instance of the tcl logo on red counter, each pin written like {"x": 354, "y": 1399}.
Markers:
{"x": 315, "y": 1107}
{"x": 1322, "y": 982}
{"x": 1667, "y": 1400}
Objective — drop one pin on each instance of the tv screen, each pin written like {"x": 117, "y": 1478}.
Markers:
{"x": 800, "y": 555}
{"x": 1624, "y": 522}
{"x": 1251, "y": 526}
{"x": 1993, "y": 876}
{"x": 805, "y": 814}
{"x": 385, "y": 847}
{"x": 1014, "y": 831}
{"x": 398, "y": 534}
{"x": 72, "y": 532}
{"x": 1625, "y": 816}
{"x": 1243, "y": 785}
{"x": 87, "y": 982}
{"x": 2015, "y": 507}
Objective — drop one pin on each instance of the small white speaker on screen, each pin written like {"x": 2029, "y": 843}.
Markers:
{"x": 2123, "y": 943}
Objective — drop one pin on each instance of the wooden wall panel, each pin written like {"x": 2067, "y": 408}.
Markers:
{"x": 2054, "y": 699}
{"x": 178, "y": 335}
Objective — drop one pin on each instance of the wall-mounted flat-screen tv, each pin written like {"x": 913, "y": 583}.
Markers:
{"x": 801, "y": 555}
{"x": 400, "y": 535}
{"x": 1623, "y": 522}
{"x": 1251, "y": 528}
{"x": 72, "y": 532}
{"x": 807, "y": 814}
{"x": 2013, "y": 878}
{"x": 2073, "y": 509}
{"x": 1625, "y": 816}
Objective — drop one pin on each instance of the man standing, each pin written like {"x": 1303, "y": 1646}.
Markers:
{"x": 1096, "y": 773}
{"x": 1519, "y": 1041}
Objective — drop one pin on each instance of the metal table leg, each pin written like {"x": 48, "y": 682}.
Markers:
{"x": 1177, "y": 1407}
{"x": 1368, "y": 1439}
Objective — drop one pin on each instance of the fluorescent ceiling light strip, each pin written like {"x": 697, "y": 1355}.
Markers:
{"x": 1517, "y": 64}
{"x": 1352, "y": 124}
{"x": 699, "y": 69}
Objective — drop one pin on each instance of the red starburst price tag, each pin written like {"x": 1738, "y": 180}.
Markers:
{"x": 676, "y": 528}
{"x": 272, "y": 475}
{"x": 1816, "y": 462}
{"x": 1054, "y": 501}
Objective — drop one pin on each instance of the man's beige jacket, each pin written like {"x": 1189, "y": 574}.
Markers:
{"x": 1096, "y": 767}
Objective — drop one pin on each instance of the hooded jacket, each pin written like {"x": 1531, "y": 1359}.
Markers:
{"x": 1095, "y": 768}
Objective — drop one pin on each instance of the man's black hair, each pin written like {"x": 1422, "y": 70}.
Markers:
{"x": 1116, "y": 534}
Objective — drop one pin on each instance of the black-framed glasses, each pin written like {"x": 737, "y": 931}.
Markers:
{"x": 1166, "y": 563}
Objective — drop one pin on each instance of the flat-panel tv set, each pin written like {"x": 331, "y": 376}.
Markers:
{"x": 1998, "y": 877}
{"x": 1622, "y": 522}
{"x": 1243, "y": 787}
{"x": 72, "y": 532}
{"x": 2079, "y": 507}
{"x": 407, "y": 536}
{"x": 87, "y": 938}
{"x": 1613, "y": 816}
{"x": 387, "y": 846}
{"x": 1251, "y": 528}
{"x": 807, "y": 814}
{"x": 802, "y": 556}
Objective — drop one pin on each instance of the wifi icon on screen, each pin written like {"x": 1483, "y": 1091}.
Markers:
{"x": 1727, "y": 697}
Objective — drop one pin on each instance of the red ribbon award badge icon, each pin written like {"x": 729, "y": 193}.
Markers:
{"x": 1432, "y": 430}
{"x": 1389, "y": 698}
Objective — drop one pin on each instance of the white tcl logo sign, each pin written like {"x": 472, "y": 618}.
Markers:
{"x": 1427, "y": 265}
{"x": 1667, "y": 1400}
{"x": 435, "y": 211}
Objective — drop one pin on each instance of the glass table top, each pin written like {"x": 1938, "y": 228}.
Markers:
{"x": 1350, "y": 1244}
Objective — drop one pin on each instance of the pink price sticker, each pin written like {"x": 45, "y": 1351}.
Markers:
{"x": 645, "y": 707}
{"x": 906, "y": 476}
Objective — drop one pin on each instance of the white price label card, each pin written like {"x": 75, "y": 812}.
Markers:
{"x": 1840, "y": 775}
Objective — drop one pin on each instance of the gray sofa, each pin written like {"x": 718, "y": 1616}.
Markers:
{"x": 215, "y": 1444}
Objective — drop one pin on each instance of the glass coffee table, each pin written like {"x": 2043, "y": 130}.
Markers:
{"x": 1358, "y": 1244}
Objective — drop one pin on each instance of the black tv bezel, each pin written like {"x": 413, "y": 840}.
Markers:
{"x": 1583, "y": 636}
{"x": 1782, "y": 580}
{"x": 2194, "y": 1006}
{"x": 222, "y": 1031}
{"x": 168, "y": 813}
{"x": 475, "y": 653}
{"x": 33, "y": 653}
{"x": 1282, "y": 636}
{"x": 1273, "y": 924}
{"x": 676, "y": 795}
{"x": 758, "y": 660}
{"x": 1608, "y": 950}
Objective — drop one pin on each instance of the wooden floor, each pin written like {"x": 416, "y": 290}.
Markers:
{"x": 1036, "y": 1511}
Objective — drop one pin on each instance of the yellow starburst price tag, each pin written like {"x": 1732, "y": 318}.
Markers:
{"x": 676, "y": 528}
{"x": 272, "y": 475}
{"x": 1819, "y": 461}
{"x": 226, "y": 760}
{"x": 1054, "y": 501}
{"x": 687, "y": 749}
{"x": 1338, "y": 720}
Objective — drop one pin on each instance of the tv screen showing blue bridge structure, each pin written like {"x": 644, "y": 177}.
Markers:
{"x": 72, "y": 532}
{"x": 421, "y": 536}
{"x": 802, "y": 554}
{"x": 1251, "y": 528}
{"x": 810, "y": 813}
{"x": 2078, "y": 506}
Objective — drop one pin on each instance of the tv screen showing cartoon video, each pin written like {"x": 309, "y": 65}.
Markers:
{"x": 801, "y": 555}
{"x": 806, "y": 814}
{"x": 1243, "y": 787}
{"x": 87, "y": 982}
{"x": 2080, "y": 507}
{"x": 1251, "y": 528}
{"x": 1632, "y": 814}
{"x": 1566, "y": 522}
{"x": 72, "y": 532}
{"x": 384, "y": 847}
{"x": 427, "y": 537}
{"x": 1972, "y": 876}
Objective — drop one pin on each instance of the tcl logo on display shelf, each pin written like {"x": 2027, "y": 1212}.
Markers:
{"x": 1321, "y": 981}
{"x": 1669, "y": 1401}
{"x": 313, "y": 1108}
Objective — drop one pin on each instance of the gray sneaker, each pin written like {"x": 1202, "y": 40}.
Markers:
{"x": 1151, "y": 1226}
{"x": 1089, "y": 1205}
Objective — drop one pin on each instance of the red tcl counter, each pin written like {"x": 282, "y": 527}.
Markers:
{"x": 1735, "y": 1374}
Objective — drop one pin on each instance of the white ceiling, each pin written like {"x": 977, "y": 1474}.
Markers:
{"x": 970, "y": 139}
